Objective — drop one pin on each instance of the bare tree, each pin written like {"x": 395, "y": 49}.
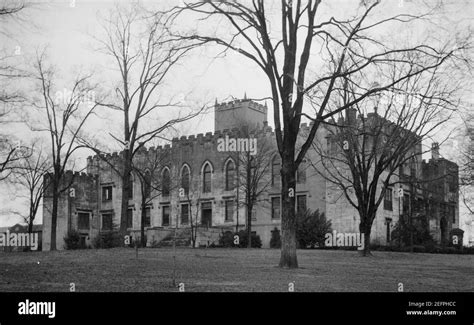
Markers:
{"x": 28, "y": 175}
{"x": 467, "y": 165}
{"x": 63, "y": 116}
{"x": 379, "y": 143}
{"x": 283, "y": 53}
{"x": 253, "y": 175}
{"x": 10, "y": 152}
{"x": 144, "y": 60}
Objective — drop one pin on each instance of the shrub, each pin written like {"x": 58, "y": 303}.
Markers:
{"x": 311, "y": 229}
{"x": 227, "y": 239}
{"x": 73, "y": 240}
{"x": 108, "y": 240}
{"x": 243, "y": 239}
{"x": 275, "y": 241}
{"x": 420, "y": 228}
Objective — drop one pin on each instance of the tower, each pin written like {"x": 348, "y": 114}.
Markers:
{"x": 238, "y": 113}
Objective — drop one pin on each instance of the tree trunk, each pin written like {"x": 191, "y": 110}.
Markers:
{"x": 249, "y": 226}
{"x": 125, "y": 192}
{"x": 142, "y": 224}
{"x": 365, "y": 228}
{"x": 54, "y": 216}
{"x": 288, "y": 218}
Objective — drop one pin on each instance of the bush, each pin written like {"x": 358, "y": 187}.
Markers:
{"x": 243, "y": 239}
{"x": 108, "y": 240}
{"x": 275, "y": 241}
{"x": 73, "y": 240}
{"x": 311, "y": 229}
{"x": 419, "y": 227}
{"x": 227, "y": 239}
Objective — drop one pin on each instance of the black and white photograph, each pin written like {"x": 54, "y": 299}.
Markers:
{"x": 199, "y": 159}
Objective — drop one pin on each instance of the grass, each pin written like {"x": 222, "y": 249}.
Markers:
{"x": 200, "y": 270}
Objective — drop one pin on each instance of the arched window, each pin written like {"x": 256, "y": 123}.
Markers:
{"x": 185, "y": 179}
{"x": 206, "y": 178}
{"x": 166, "y": 182}
{"x": 276, "y": 166}
{"x": 229, "y": 175}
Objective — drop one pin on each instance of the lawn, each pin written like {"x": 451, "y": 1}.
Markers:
{"x": 232, "y": 270}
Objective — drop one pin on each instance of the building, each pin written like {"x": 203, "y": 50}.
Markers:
{"x": 194, "y": 163}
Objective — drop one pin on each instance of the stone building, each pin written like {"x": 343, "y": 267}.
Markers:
{"x": 209, "y": 176}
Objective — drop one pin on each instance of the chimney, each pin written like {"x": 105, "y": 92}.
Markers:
{"x": 435, "y": 150}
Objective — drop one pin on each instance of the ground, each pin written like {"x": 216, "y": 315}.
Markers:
{"x": 232, "y": 270}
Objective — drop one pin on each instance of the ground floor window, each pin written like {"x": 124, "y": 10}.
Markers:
{"x": 184, "y": 214}
{"x": 276, "y": 209}
{"x": 107, "y": 220}
{"x": 229, "y": 210}
{"x": 165, "y": 221}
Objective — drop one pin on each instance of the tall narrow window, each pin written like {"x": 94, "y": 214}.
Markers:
{"x": 230, "y": 175}
{"x": 107, "y": 193}
{"x": 107, "y": 221}
{"x": 166, "y": 179}
{"x": 165, "y": 221}
{"x": 229, "y": 210}
{"x": 387, "y": 200}
{"x": 206, "y": 178}
{"x": 301, "y": 203}
{"x": 185, "y": 175}
{"x": 147, "y": 221}
{"x": 276, "y": 165}
{"x": 184, "y": 214}
{"x": 275, "y": 207}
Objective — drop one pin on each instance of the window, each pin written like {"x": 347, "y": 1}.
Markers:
{"x": 83, "y": 221}
{"x": 406, "y": 204}
{"x": 301, "y": 203}
{"x": 130, "y": 218}
{"x": 107, "y": 193}
{"x": 229, "y": 175}
{"x": 184, "y": 214}
{"x": 107, "y": 221}
{"x": 276, "y": 165}
{"x": 206, "y": 178}
{"x": 165, "y": 221}
{"x": 147, "y": 184}
{"x": 147, "y": 221}
{"x": 229, "y": 210}
{"x": 165, "y": 188}
{"x": 301, "y": 174}
{"x": 276, "y": 214}
{"x": 387, "y": 200}
{"x": 185, "y": 175}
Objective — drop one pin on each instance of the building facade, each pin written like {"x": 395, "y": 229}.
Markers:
{"x": 198, "y": 183}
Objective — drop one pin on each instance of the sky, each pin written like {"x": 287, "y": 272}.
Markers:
{"x": 67, "y": 29}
